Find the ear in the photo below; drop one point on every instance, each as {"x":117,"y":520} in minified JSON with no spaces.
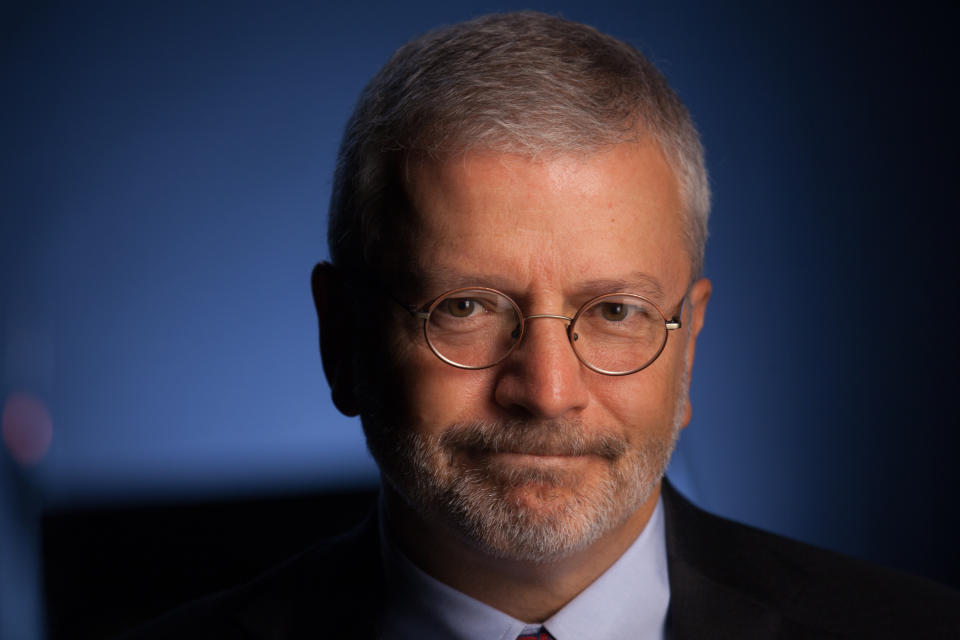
{"x":336,"y":337}
{"x":699,"y":296}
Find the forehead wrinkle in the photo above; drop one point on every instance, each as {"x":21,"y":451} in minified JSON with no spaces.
{"x":437,"y":279}
{"x":520,"y":278}
{"x":638,"y":282}
{"x":479,"y":223}
{"x":434,"y":280}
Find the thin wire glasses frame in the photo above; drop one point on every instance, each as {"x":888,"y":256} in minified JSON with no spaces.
{"x":426,"y":311}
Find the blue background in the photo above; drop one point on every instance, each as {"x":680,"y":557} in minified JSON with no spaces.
{"x":166,"y":169}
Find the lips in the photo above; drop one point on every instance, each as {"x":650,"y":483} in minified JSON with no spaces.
{"x":557,"y":439}
{"x":535,"y":453}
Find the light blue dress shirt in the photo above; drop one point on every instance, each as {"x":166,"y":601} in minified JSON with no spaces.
{"x":629,"y":600}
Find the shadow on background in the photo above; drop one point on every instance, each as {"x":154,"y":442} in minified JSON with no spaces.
{"x":138,"y":562}
{"x":166,"y":169}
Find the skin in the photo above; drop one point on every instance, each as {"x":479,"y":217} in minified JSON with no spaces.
{"x":551,"y":233}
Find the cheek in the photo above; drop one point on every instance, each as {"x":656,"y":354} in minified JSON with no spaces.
{"x":432,"y":395}
{"x":632,"y":404}
{"x":642,"y":403}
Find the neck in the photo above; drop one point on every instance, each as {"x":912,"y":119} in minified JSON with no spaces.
{"x":525,"y":590}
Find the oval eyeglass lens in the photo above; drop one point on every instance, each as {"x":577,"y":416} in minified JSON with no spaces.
{"x":619,"y":333}
{"x":473,"y":328}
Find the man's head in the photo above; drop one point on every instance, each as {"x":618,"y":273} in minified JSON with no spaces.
{"x":543,"y":160}
{"x":524,"y":83}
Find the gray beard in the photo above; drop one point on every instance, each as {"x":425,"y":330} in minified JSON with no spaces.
{"x":452,"y":478}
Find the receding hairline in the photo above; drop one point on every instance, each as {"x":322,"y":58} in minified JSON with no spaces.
{"x":577,"y":91}
{"x":402,"y":261}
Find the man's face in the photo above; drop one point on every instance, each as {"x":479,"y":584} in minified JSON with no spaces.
{"x":538,"y":456}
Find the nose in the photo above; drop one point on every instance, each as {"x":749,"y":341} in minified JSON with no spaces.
{"x":543,"y":378}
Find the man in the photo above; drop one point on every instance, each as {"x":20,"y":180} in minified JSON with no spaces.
{"x":517,"y":235}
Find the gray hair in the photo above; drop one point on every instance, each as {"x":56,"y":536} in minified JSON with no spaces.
{"x":523,"y":83}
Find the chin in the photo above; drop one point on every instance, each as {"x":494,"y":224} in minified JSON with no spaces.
{"x":538,"y":511}
{"x":540,"y":520}
{"x":532,"y":492}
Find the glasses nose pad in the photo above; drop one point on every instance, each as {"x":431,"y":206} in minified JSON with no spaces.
{"x":516,"y":332}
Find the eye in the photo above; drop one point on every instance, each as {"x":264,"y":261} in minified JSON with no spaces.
{"x":614,"y":311}
{"x":459,"y":307}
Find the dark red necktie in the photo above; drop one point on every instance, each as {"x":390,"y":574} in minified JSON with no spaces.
{"x":537,"y":635}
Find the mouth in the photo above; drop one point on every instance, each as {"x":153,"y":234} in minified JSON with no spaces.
{"x":538,"y":451}
{"x":546,"y":455}
{"x":515,"y":474}
{"x":529,"y":443}
{"x":542,"y":453}
{"x":530,"y":459}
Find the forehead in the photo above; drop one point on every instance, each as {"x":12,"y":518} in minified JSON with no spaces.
{"x":519,"y":222}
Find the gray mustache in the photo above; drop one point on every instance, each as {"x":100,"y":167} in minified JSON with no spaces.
{"x":554,"y":438}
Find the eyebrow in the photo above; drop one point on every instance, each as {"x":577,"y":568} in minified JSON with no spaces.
{"x":444,"y":278}
{"x":440,"y":279}
{"x":638,"y":282}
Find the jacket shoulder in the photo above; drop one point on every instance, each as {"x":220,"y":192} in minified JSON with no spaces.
{"x":334,"y":586}
{"x":806,"y":587}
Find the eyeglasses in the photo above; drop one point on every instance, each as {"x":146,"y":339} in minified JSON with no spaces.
{"x":615,"y":334}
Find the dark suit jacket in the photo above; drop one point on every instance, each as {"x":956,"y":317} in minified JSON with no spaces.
{"x":726,"y":581}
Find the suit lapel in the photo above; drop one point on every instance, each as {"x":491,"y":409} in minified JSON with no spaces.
{"x":332,"y":590}
{"x":703,"y":608}
{"x":710,"y":594}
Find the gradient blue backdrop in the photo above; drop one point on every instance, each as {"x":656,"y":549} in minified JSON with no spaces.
{"x":166,"y":169}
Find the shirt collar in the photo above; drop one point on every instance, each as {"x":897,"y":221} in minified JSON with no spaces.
{"x":629,"y":599}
